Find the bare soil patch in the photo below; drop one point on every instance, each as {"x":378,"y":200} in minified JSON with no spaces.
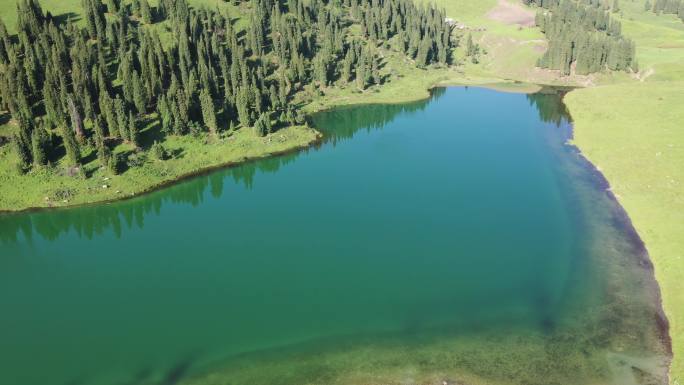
{"x":511,"y":14}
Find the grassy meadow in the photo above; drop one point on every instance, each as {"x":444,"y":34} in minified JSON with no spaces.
{"x":634,"y":132}
{"x":636,"y":140}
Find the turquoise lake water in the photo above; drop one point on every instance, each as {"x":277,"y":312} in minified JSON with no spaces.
{"x":453,"y":239}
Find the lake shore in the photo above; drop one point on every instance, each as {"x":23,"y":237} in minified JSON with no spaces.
{"x":39,"y":190}
{"x":635,"y":142}
{"x":45,"y":188}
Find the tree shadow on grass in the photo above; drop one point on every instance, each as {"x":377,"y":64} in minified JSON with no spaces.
{"x":89,"y":158}
{"x":151,"y":133}
{"x":4,"y":118}
{"x":62,"y":18}
{"x":178,"y":153}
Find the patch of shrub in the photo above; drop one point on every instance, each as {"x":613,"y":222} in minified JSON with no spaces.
{"x":137,"y":159}
{"x":62,"y":194}
{"x":158,"y":151}
{"x":116,"y":163}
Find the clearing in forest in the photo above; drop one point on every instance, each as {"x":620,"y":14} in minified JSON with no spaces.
{"x":510,"y":14}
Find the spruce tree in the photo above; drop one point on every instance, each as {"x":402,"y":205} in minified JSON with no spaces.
{"x":242,"y":104}
{"x":23,"y":152}
{"x":71,"y":146}
{"x":139,"y":94}
{"x":121,"y":118}
{"x":76,"y":120}
{"x":40,"y":144}
{"x":145,"y":12}
{"x":208,"y":111}
{"x":133,"y":130}
{"x":103,"y":152}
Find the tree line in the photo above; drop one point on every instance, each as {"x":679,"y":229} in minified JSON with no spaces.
{"x":68,"y":87}
{"x":583,"y":37}
{"x":672,"y":7}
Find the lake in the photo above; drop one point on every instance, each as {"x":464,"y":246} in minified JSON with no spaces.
{"x":457,"y":239}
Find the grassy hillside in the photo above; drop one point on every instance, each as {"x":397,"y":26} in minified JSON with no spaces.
{"x":633,"y":133}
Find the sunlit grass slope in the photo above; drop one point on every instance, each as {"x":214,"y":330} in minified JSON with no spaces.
{"x":634,"y":134}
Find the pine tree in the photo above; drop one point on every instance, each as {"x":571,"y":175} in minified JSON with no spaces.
{"x":108,"y":111}
{"x":242,"y":104}
{"x":71,"y":146}
{"x":133,"y":133}
{"x":145,"y":12}
{"x":103,"y":152}
{"x":470,"y":47}
{"x":208,"y":111}
{"x":23,"y":153}
{"x":40,"y":143}
{"x":165,"y":115}
{"x":139,"y":94}
{"x":423,"y":55}
{"x":121,"y":119}
{"x":76,"y":120}
{"x":262,"y":126}
{"x":361,"y":73}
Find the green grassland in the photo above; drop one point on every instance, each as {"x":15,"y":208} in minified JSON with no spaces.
{"x":636,"y":139}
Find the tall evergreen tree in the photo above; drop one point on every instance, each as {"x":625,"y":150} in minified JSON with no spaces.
{"x":40,"y":143}
{"x":71,"y":146}
{"x":208,"y":111}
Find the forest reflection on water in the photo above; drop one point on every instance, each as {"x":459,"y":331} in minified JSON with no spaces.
{"x":89,"y":221}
